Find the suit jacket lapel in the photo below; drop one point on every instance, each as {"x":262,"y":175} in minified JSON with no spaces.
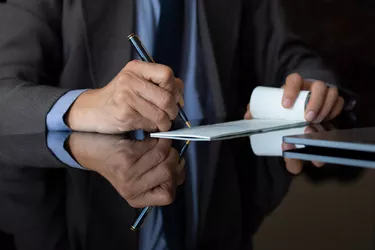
{"x":107,"y":25}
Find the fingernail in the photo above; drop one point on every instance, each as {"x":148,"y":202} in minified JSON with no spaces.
{"x":286,"y":146}
{"x":309,"y":130}
{"x":318,"y":120}
{"x":182,"y":102}
{"x":310,"y":116}
{"x":287,"y":103}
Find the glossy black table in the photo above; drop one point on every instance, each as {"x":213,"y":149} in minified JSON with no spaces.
{"x":231,"y":198}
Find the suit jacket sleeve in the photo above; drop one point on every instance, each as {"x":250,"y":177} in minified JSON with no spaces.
{"x":18,"y":151}
{"x":30,"y":63}
{"x":278,"y":52}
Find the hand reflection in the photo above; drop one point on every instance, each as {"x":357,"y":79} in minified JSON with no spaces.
{"x":145,"y":173}
{"x":294,"y":166}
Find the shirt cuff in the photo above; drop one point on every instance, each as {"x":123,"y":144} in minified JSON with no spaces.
{"x":55,"y":117}
{"x":55,"y":142}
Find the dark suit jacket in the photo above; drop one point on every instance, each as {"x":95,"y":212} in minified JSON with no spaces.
{"x":49,"y":47}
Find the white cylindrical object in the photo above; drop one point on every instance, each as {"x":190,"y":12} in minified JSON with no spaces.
{"x":265,"y":103}
{"x":270,"y":143}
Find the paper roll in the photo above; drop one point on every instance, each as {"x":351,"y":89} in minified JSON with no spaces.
{"x":270,"y":143}
{"x":265,"y":103}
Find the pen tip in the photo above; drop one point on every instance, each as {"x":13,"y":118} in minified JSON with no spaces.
{"x":188,"y":124}
{"x":133,"y":228}
{"x":131,"y":36}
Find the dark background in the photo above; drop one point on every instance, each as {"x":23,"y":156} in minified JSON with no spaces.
{"x":343,"y":33}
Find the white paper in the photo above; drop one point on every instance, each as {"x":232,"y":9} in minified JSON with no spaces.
{"x":267,"y":111}
{"x":265,"y":103}
{"x":220,"y":130}
{"x":270,"y":143}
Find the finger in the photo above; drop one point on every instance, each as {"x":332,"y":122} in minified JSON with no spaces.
{"x":292,"y":88}
{"x":336,"y":110}
{"x":153,"y":113}
{"x":159,"y":74}
{"x":157,"y":96}
{"x":309,"y":130}
{"x":144,"y":124}
{"x":137,"y":122}
{"x":319,"y":128}
{"x":181,"y":166}
{"x":293,"y":166}
{"x":318,"y":164}
{"x":181,"y":174}
{"x":150,"y":159}
{"x":180,"y":86}
{"x":247,"y":115}
{"x":159,"y":196}
{"x":318,"y":94}
{"x":163,"y":172}
{"x":139,"y":147}
{"x":329,"y":102}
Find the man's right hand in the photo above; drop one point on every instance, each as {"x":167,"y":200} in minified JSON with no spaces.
{"x":144,"y":173}
{"x":142,"y":96}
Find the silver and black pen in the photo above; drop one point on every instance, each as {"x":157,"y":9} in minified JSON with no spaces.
{"x":145,"y":56}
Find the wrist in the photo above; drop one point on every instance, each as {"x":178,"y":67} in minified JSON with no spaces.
{"x":75,"y":146}
{"x":81,"y":115}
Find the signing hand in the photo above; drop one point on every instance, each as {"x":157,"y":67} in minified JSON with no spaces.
{"x":142,"y":96}
{"x":145,"y":173}
{"x":325,"y":102}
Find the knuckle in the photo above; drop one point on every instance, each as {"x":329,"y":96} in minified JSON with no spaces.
{"x":164,"y":143}
{"x":121,"y":97}
{"x":127,"y":159}
{"x":168,"y":197}
{"x":159,"y":115}
{"x":124,"y":77}
{"x":134,"y":204}
{"x":125,"y":114}
{"x":167,"y":125}
{"x":132,"y":64}
{"x":167,"y":73}
{"x":293,"y":78}
{"x":161,"y":154}
{"x":174,"y":153}
{"x":167,"y":172}
{"x":167,"y":101}
{"x":334,"y":91}
{"x":125,"y":192}
{"x":319,"y":85}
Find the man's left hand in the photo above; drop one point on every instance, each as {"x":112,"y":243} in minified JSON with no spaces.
{"x":324,"y":104}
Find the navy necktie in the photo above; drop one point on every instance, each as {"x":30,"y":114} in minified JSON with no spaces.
{"x":168,"y":51}
{"x":168,"y":43}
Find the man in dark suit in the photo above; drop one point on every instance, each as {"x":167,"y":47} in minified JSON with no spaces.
{"x":62,"y":63}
